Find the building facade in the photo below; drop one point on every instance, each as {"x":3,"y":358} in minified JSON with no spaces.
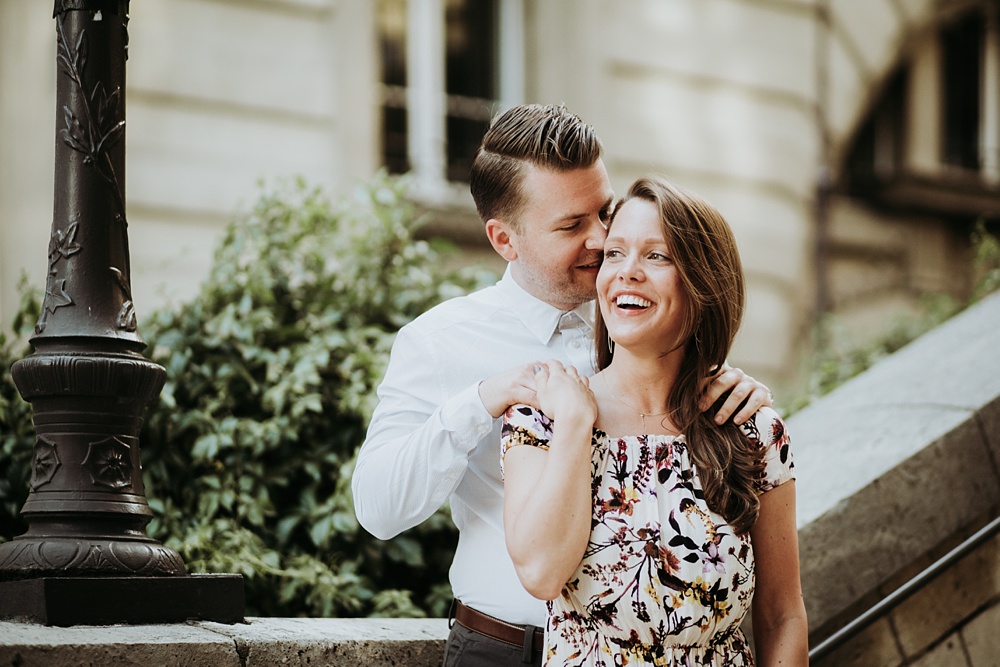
{"x":851,"y":144}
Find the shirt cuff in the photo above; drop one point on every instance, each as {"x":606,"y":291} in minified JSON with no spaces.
{"x":465,"y":413}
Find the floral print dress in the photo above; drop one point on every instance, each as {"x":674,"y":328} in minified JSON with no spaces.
{"x":664,"y":580}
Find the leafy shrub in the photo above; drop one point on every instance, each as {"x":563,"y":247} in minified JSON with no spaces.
{"x":17,"y":435}
{"x":271,"y":370}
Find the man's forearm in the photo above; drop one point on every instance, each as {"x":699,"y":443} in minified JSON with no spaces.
{"x":412,"y":461}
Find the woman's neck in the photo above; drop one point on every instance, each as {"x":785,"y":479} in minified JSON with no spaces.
{"x":643,"y":383}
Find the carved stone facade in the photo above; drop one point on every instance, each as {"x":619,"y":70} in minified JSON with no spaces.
{"x":759,"y":105}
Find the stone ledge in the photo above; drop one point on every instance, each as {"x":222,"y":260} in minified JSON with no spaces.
{"x":898,"y":461}
{"x":259,"y":642}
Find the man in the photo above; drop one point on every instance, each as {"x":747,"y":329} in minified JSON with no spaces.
{"x":543,"y":192}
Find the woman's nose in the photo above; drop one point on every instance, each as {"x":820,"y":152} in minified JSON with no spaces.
{"x":631,"y":269}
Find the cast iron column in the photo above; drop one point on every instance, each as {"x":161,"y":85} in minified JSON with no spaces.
{"x":86,"y":381}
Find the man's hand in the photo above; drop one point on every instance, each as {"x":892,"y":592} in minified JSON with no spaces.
{"x":513,"y":386}
{"x":744,"y":391}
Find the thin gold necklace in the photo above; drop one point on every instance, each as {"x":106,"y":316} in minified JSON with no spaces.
{"x":642,"y":415}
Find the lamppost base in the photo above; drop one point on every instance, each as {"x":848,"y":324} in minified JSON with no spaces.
{"x":65,"y":601}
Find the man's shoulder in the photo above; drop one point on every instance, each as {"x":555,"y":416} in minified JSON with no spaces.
{"x":471,"y":310}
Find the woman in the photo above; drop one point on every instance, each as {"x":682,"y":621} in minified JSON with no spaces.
{"x":648,"y":527}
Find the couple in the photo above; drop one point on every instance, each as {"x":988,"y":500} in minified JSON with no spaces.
{"x":644,"y":544}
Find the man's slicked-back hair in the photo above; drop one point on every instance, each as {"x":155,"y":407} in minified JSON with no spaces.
{"x":545,"y":136}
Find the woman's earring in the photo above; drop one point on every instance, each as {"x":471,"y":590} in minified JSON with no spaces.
{"x":611,"y":345}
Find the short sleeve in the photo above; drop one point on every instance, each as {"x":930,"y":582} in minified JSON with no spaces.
{"x":768,"y":430}
{"x":524,"y":425}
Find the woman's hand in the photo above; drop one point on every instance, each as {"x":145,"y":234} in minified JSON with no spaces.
{"x":563,"y":395}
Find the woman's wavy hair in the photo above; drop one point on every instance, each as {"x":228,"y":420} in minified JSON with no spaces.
{"x":708,"y":262}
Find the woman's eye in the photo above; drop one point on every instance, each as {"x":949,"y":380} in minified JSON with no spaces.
{"x":612,"y":253}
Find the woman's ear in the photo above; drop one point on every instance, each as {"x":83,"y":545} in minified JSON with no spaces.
{"x":502,"y":239}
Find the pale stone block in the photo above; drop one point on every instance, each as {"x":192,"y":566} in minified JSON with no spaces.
{"x":258,"y":55}
{"x":989,"y":421}
{"x":768,"y":48}
{"x":981,"y":637}
{"x":665,"y":124}
{"x":917,"y":12}
{"x":339,"y":641}
{"x":852,"y":279}
{"x":847,"y":89}
{"x":922,"y":147}
{"x":261,"y":641}
{"x":872,"y":647}
{"x":945,"y":602}
{"x":874,"y":33}
{"x":170,"y":645}
{"x":851,"y":223}
{"x":171,"y":257}
{"x":934,"y":270}
{"x":953,"y":474}
{"x":862,"y":322}
{"x":948,"y":653}
{"x":27,"y":146}
{"x":768,"y":336}
{"x":198,"y":160}
{"x":773,"y":233}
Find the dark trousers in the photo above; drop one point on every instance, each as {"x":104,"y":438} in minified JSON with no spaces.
{"x":467,"y":648}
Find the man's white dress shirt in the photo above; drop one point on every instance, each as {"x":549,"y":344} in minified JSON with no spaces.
{"x":431,"y":439}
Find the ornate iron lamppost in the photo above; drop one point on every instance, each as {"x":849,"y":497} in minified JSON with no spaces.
{"x":86,"y":557}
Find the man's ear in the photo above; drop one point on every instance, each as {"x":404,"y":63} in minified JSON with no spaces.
{"x":501,"y":238}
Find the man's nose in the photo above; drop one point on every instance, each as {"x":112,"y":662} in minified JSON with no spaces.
{"x":596,"y":235}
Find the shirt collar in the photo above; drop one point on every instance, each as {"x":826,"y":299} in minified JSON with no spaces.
{"x":540,"y":318}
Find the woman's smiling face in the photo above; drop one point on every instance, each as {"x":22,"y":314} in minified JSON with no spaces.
{"x":639,"y":287}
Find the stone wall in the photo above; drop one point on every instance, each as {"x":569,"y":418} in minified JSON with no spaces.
{"x":895,"y":468}
{"x":260,"y":642}
{"x":749,"y":102}
{"x":951,"y":622}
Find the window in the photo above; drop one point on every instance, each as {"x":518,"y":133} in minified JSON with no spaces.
{"x":447,"y":67}
{"x":961,"y":57}
{"x":878,"y":146}
{"x":931,"y":142}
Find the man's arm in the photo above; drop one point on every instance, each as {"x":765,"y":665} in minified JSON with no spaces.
{"x":420,"y":439}
{"x":743,"y":396}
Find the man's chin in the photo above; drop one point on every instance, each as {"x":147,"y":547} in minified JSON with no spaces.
{"x":583,"y":295}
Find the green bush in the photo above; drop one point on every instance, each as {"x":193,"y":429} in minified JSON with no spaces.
{"x":17,"y":435}
{"x":271,"y":372}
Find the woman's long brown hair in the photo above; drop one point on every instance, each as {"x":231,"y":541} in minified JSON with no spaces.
{"x":708,"y":261}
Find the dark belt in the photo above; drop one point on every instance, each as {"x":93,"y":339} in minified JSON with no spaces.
{"x":527,"y":637}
